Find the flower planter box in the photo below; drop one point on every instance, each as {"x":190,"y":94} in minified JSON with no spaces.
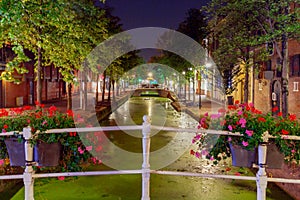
{"x":275,"y":159}
{"x":48,"y":154}
{"x":15,"y":151}
{"x":43,"y":153}
{"x":242,"y":157}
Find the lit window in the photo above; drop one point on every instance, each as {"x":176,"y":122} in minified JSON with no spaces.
{"x":296,"y":84}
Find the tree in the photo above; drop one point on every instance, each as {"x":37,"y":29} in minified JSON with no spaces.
{"x":194,"y":25}
{"x":54,"y":31}
{"x":272,"y":19}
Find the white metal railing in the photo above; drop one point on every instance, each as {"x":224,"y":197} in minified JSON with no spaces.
{"x":29,"y":175}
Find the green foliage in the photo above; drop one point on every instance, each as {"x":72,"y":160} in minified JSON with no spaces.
{"x":239,"y":24}
{"x":74,"y":152}
{"x":252,"y":124}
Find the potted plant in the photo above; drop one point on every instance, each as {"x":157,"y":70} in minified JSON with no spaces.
{"x":70,"y":151}
{"x":251,"y":124}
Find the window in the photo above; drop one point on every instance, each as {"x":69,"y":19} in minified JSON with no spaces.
{"x":269,"y":65}
{"x":294,"y":65}
{"x":296,"y":88}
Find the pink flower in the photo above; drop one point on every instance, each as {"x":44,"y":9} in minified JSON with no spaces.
{"x":251,"y":104}
{"x":204,"y":152}
{"x":89,"y":148}
{"x":237,"y":173}
{"x":211,"y":158}
{"x":61,"y":178}
{"x":202,"y":120}
{"x":245,"y":143}
{"x":293,"y":151}
{"x":80,"y":150}
{"x":197,"y":137}
{"x":229,"y":139}
{"x":197,"y":154}
{"x":44,"y":122}
{"x":2,"y":162}
{"x":206,"y":114}
{"x":242,"y":121}
{"x":215,"y":116}
{"x":249,"y":133}
{"x":240,"y":112}
{"x":230,"y":127}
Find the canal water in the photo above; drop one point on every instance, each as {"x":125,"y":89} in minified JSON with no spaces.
{"x":169,"y":151}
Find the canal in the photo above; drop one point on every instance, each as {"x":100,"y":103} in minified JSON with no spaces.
{"x":169,"y":151}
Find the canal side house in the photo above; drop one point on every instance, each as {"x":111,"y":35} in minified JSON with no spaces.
{"x":24,"y":93}
{"x":264,"y":86}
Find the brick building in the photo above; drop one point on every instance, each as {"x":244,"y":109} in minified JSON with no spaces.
{"x":265,"y":88}
{"x":24,"y":93}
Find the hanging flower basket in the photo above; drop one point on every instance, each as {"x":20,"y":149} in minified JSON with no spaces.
{"x":242,"y":157}
{"x":48,"y":154}
{"x":275,"y":159}
{"x":44,"y":154}
{"x":16,"y":151}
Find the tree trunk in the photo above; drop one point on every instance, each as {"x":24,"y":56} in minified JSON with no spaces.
{"x":103,"y":86}
{"x":39,"y":76}
{"x":97,"y":90}
{"x":84,"y":91}
{"x":193,"y":91}
{"x":109,"y":89}
{"x":113,"y":89}
{"x":69,"y":96}
{"x":284,"y":76}
{"x":246,"y":83}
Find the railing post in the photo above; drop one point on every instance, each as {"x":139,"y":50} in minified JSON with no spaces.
{"x":146,"y":153}
{"x":261,"y":175}
{"x":27,"y":175}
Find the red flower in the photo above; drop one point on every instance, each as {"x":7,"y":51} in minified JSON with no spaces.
{"x":192,"y":152}
{"x":279,"y":114}
{"x":292,"y":117}
{"x":261,"y":119}
{"x":232,"y":107}
{"x":27,"y":108}
{"x":52,"y":109}
{"x":236,"y":102}
{"x":275,"y":109}
{"x":70,"y":113}
{"x":5,"y":126}
{"x":72,"y":134}
{"x":61,"y":178}
{"x":284,"y":132}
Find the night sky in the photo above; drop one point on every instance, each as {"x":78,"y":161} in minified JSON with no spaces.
{"x":154,"y":13}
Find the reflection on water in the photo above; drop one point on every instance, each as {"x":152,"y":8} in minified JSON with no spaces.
{"x":166,"y":147}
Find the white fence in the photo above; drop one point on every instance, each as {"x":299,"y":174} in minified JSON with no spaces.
{"x":29,"y":175}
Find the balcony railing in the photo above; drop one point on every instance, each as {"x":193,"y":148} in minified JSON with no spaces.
{"x":28,"y":175}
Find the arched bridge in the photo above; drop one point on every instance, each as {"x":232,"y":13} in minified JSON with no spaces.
{"x":154,"y":92}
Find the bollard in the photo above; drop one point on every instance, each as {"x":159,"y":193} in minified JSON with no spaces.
{"x":261,"y":175}
{"x":27,"y":175}
{"x":146,"y":164}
